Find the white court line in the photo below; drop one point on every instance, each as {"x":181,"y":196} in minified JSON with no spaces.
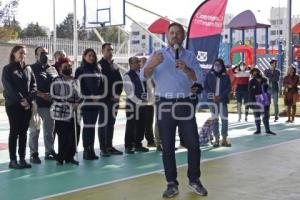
{"x":159,"y":171}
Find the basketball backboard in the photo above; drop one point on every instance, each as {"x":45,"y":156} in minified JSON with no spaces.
{"x":100,"y":13}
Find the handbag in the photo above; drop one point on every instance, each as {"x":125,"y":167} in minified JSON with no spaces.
{"x":263,"y":99}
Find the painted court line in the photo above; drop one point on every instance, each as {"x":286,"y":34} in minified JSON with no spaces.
{"x":160,"y":171}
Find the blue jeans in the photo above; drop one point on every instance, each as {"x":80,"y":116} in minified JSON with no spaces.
{"x":220,"y":110}
{"x":167,"y":124}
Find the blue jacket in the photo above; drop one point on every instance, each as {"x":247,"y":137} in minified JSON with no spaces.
{"x":210,"y":86}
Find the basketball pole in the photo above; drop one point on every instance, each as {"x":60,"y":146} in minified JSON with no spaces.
{"x":54,"y":29}
{"x":75,"y":36}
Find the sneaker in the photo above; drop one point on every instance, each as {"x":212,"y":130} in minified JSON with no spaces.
{"x":34,"y":158}
{"x":276,"y":119}
{"x":13,"y":164}
{"x":51,"y":156}
{"x":270,"y":133}
{"x":129,"y":150}
{"x":141,"y":149}
{"x":23,"y":164}
{"x":198,"y":188}
{"x":171,"y":191}
{"x":114,"y":151}
{"x":104,"y":153}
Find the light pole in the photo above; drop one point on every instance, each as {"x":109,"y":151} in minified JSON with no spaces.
{"x":289,"y":33}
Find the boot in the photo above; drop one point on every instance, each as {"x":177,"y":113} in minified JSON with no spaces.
{"x":93,"y":154}
{"x":87,"y":154}
{"x":23,"y":164}
{"x":225,"y":142}
{"x":13,"y":164}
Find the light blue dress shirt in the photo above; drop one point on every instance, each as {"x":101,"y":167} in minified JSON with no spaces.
{"x":171,"y":82}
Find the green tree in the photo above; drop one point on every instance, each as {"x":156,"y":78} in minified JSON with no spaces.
{"x":109,"y":34}
{"x":7,"y":34}
{"x":7,"y":11}
{"x":33,"y":30}
{"x":65,"y":29}
{"x":10,"y":31}
{"x":10,"y":28}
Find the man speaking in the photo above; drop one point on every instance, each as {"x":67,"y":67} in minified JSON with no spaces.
{"x":174,"y":71}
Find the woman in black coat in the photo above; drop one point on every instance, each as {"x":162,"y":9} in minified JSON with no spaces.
{"x":257,"y":86}
{"x":90,"y":80}
{"x":19,"y":91}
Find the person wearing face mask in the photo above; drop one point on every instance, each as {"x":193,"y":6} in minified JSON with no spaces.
{"x":44,"y":74}
{"x":257,"y":86}
{"x":218,"y":87}
{"x":242,"y":74}
{"x":273,"y":76}
{"x":91,"y":84}
{"x":63,"y":111}
{"x":19,"y":91}
{"x":174,"y":77}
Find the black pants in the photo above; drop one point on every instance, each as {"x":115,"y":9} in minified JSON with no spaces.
{"x":265,"y":111}
{"x":135,"y":125}
{"x":149,"y":115}
{"x":107,"y":120}
{"x":18,"y":119}
{"x":89,"y":117}
{"x":66,"y":139}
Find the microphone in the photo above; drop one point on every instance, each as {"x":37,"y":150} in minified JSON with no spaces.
{"x":176,"y":47}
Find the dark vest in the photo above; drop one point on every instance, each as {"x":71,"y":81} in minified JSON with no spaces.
{"x":138,"y":88}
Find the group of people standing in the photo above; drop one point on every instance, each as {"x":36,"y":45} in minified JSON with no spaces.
{"x":49,"y":95}
{"x":247,"y":88}
{"x":169,"y":81}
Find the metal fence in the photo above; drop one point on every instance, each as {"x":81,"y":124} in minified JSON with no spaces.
{"x":67,"y":45}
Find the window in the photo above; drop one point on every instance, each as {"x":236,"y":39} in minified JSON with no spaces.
{"x":273,"y":42}
{"x":135,"y":33}
{"x":135,"y":42}
{"x":273,"y":22}
{"x":273,"y":32}
{"x":226,"y":36}
{"x":280,"y":32}
{"x":143,"y":37}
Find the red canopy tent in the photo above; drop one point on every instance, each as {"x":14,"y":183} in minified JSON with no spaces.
{"x":160,"y":26}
